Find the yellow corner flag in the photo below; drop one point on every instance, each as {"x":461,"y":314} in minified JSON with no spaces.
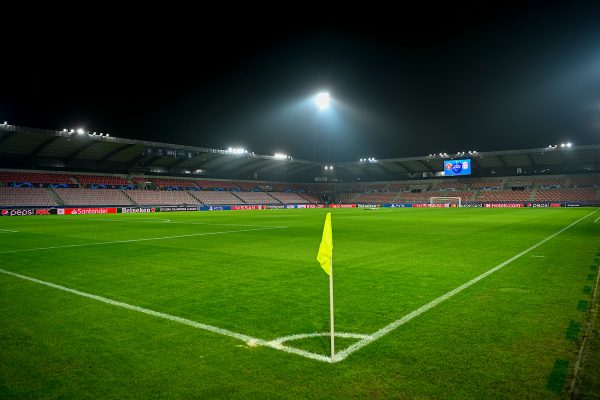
{"x":326,"y":248}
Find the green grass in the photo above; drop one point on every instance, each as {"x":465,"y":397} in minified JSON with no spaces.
{"x":500,"y":338}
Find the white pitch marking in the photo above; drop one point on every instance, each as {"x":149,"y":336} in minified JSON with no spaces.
{"x":239,"y":336}
{"x":7,"y":231}
{"x":134,"y":240}
{"x":596,"y":220}
{"x":538,"y":256}
{"x":390,"y":327}
{"x":283,"y":339}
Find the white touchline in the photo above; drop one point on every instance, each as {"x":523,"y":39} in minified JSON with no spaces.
{"x":240,"y":336}
{"x":390,"y":327}
{"x":7,"y":231}
{"x":134,"y":240}
{"x":596,"y":221}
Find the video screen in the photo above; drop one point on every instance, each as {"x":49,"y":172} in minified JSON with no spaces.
{"x":457,"y":167}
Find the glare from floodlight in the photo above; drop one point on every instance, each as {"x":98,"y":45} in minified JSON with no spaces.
{"x":236,"y":150}
{"x":64,"y":130}
{"x":107,"y":135}
{"x":322,"y":100}
{"x":562,"y":145}
{"x":569,"y":144}
{"x":80,"y":131}
{"x":280,"y":156}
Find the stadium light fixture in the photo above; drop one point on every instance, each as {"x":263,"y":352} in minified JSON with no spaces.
{"x":107,"y":135}
{"x":80,"y":131}
{"x":569,"y":144}
{"x":322,"y":100}
{"x":280,"y":156}
{"x":5,"y":123}
{"x":237,"y":150}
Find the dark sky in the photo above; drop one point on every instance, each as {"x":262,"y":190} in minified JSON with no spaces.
{"x":406,"y":82}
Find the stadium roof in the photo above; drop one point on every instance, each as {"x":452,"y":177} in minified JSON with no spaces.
{"x":22,"y":147}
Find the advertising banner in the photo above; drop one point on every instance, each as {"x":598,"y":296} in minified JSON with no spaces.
{"x":397,"y":205}
{"x":342,"y":206}
{"x":504,"y":205}
{"x":20,"y":212}
{"x":136,"y":210}
{"x":248,"y":207}
{"x":213,"y":208}
{"x":171,"y":209}
{"x":80,"y":211}
{"x":542,"y":205}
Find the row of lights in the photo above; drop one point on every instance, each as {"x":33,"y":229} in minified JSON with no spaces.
{"x":370,"y":159}
{"x":329,"y":168}
{"x":459,"y":153}
{"x":237,"y":150}
{"x":81,"y":131}
{"x":563,"y":145}
{"x":281,"y":156}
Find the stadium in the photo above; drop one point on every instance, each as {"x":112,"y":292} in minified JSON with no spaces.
{"x":139,"y":268}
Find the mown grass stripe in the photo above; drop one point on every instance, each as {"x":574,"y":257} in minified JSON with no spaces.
{"x":573,"y":330}
{"x":582,"y":305}
{"x":558,"y":376}
{"x":587,"y":290}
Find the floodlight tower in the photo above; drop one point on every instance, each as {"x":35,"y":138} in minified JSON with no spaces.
{"x":322,"y":102}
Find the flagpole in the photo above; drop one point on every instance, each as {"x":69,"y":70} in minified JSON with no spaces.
{"x":331,"y":310}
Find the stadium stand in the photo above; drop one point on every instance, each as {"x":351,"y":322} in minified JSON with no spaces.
{"x":101,"y":180}
{"x":585,"y":181}
{"x":257,"y":198}
{"x":93,"y":197}
{"x":24,"y":197}
{"x":212,"y":185}
{"x":289,"y":198}
{"x":161,"y":198}
{"x":33,"y":177}
{"x":216,"y":197}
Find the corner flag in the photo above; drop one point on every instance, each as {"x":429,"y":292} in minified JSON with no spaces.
{"x":326,"y":248}
{"x":325,"y":258}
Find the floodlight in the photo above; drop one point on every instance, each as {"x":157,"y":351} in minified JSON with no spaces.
{"x":569,"y":144}
{"x":80,"y":131}
{"x":280,"y":156}
{"x":107,"y":135}
{"x":64,"y":130}
{"x":5,"y":123}
{"x":562,"y":145}
{"x":322,"y":100}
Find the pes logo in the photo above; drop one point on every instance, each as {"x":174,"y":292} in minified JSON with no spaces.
{"x":4,"y":212}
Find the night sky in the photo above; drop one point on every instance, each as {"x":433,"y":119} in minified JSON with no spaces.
{"x":405,"y":83}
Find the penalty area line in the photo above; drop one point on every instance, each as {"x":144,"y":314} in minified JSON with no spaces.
{"x":249,"y":340}
{"x":390,"y":327}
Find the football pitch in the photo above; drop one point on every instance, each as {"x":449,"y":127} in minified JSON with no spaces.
{"x":429,"y":303}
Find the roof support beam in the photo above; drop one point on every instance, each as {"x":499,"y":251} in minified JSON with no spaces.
{"x":74,"y":154}
{"x":114,"y":152}
{"x":43,"y":145}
